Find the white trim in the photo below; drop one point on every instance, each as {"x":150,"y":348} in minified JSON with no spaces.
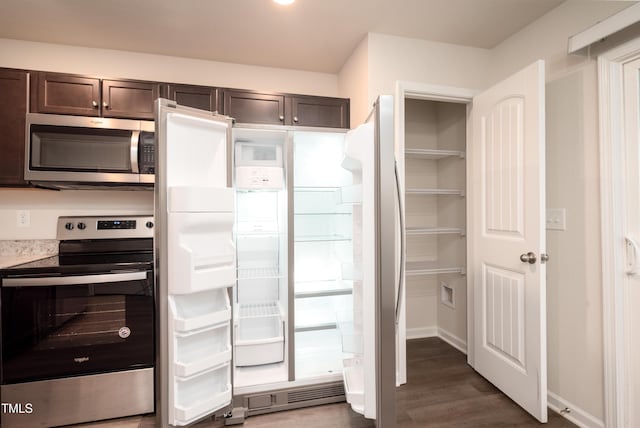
{"x":575,"y":414}
{"x":613,"y":212}
{"x":421,"y":332}
{"x":605,"y":28}
{"x":453,"y":340}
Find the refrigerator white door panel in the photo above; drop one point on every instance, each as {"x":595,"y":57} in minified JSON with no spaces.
{"x":201,"y":252}
{"x":196,"y":151}
{"x":360,"y":372}
{"x":195,"y":212}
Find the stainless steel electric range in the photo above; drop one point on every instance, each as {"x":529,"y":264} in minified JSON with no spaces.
{"x":78,"y":328}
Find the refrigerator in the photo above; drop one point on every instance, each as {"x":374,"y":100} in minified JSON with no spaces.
{"x":277,"y":268}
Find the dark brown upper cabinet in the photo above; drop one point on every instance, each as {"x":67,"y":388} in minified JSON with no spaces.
{"x":86,"y":96}
{"x":284,"y":109}
{"x":200,"y":97}
{"x":65,"y":94}
{"x":319,"y":111}
{"x":129,"y":99}
{"x":13,"y":109}
{"x":254,"y":107}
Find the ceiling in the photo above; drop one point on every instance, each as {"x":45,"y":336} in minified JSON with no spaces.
{"x":314,"y":35}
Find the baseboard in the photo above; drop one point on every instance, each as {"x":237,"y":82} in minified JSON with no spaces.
{"x":453,"y":340}
{"x":572,"y":412}
{"x":421,"y":332}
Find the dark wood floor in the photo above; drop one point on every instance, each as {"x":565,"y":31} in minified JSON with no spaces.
{"x":442,"y":391}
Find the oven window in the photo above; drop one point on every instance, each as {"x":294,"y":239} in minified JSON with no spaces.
{"x":80,"y":149}
{"x":58,"y":331}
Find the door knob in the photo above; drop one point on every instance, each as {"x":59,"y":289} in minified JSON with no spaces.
{"x":528,"y":258}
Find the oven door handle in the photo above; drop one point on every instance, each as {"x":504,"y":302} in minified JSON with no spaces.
{"x":73,"y":280}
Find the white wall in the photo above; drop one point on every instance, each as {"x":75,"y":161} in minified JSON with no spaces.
{"x":574,"y":288}
{"x":394,"y":58}
{"x":112,"y":63}
{"x":353,"y":82}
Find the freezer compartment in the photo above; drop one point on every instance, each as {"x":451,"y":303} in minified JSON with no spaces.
{"x":259,"y":335}
{"x":202,"y":252}
{"x":198,"y":395}
{"x":198,"y":310}
{"x":202,"y":349}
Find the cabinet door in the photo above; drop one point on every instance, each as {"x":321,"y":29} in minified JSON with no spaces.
{"x":319,"y":111}
{"x":65,"y":94}
{"x":254,"y":107}
{"x":13,"y":87}
{"x":200,"y":97}
{"x":129,"y":99}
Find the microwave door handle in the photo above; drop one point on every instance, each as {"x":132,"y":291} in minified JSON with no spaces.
{"x":74,"y":280}
{"x":135,"y":139}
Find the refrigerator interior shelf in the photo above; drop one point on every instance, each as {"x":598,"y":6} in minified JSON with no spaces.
{"x":321,"y":214}
{"x":315,"y":327}
{"x":259,"y":310}
{"x":433,"y":154}
{"x":431,"y":268}
{"x":322,"y":238}
{"x":323,"y":293}
{"x":435,"y":231}
{"x":259,"y":273}
{"x":258,"y":233}
{"x":455,"y":192}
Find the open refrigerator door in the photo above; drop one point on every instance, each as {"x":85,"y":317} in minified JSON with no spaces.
{"x":195,"y":263}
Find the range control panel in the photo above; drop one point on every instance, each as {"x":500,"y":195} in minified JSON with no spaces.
{"x":102,"y":227}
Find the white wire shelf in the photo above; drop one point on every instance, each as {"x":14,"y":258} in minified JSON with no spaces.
{"x":259,"y":273}
{"x":435,"y":231}
{"x":258,"y":310}
{"x":433,"y":154}
{"x":432,"y":268}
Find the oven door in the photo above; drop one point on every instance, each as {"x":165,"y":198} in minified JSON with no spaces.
{"x":64,"y":326}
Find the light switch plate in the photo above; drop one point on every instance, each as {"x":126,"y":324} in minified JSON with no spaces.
{"x":556,"y":219}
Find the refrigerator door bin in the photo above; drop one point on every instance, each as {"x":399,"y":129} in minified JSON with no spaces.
{"x":199,"y":395}
{"x":202,"y":349}
{"x":353,"y":375}
{"x":202,"y":252}
{"x":198,"y":310}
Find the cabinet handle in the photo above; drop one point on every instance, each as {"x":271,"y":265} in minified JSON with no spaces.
{"x":94,"y":103}
{"x":295,"y":119}
{"x":105,"y":104}
{"x":281,"y":118}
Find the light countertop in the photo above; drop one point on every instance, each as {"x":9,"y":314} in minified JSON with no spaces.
{"x":14,"y":260}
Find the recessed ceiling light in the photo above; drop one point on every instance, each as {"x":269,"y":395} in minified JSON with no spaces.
{"x":284,"y":2}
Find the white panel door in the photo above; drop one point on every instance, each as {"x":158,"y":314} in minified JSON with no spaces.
{"x":506,"y":212}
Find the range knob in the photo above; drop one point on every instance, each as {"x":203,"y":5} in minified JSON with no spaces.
{"x":68,"y":226}
{"x":82,"y":226}
{"x":149,"y":224}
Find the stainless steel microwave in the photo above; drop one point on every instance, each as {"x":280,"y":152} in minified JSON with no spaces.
{"x":75,"y":151}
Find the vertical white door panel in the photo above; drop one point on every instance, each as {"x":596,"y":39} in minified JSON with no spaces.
{"x":506,"y":216}
{"x":195,"y":210}
{"x":631,"y":284}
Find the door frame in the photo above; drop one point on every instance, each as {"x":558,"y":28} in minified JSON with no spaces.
{"x":611,"y":119}
{"x":450,"y":94}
